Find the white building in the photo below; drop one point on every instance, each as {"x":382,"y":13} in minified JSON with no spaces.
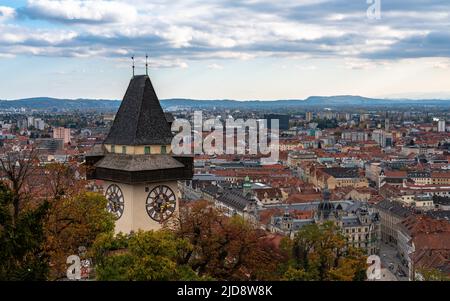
{"x":383,"y":138}
{"x":355,"y":136}
{"x":39,"y":124}
{"x":30,"y":121}
{"x":441,"y":126}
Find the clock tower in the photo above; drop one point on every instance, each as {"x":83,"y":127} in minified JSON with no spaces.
{"x":139,"y":173}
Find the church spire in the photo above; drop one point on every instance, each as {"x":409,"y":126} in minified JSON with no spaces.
{"x":325,"y":207}
{"x":140,"y":119}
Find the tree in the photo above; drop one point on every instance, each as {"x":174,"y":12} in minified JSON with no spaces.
{"x":72,"y":222}
{"x":21,"y":221}
{"x":62,"y":180}
{"x":17,"y":166}
{"x":224,"y":248}
{"x":46,"y":216}
{"x":22,"y":255}
{"x":430,"y":274}
{"x":141,"y":256}
{"x":319,"y":252}
{"x":326,"y":123}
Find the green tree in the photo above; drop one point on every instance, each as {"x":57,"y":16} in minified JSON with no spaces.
{"x":429,"y":274}
{"x":319,"y":252}
{"x":22,"y":255}
{"x":326,"y":123}
{"x":141,"y":256}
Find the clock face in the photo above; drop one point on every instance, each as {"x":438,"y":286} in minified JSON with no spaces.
{"x":161,"y":203}
{"x":115,"y":200}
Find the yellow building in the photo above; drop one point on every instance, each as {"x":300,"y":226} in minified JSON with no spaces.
{"x":336,"y":177}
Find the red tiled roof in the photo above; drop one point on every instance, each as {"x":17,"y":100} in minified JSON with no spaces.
{"x":304,"y":197}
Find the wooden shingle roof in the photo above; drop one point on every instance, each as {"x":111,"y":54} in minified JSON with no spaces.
{"x":140,"y":119}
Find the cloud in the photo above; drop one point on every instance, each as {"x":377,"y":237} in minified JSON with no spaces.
{"x":6,"y":13}
{"x":167,"y":63}
{"x":433,"y":44}
{"x":307,"y":68}
{"x":442,"y":65}
{"x":80,"y":11}
{"x":357,"y":64}
{"x":11,"y":35}
{"x":183,"y":30}
{"x":215,"y":66}
{"x":6,"y":55}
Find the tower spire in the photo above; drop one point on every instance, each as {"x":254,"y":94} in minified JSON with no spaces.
{"x":132,"y":58}
{"x":146,"y":64}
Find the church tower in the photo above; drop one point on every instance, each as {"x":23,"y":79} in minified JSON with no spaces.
{"x":325,"y":209}
{"x":246,"y":186}
{"x":139,"y":173}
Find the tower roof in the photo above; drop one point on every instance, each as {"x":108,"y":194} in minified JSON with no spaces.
{"x":140,"y":119}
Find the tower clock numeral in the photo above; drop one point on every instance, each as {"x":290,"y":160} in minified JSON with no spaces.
{"x":161,"y":203}
{"x":115,"y":199}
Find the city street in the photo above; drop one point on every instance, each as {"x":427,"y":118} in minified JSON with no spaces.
{"x":387,"y":275}
{"x":390,"y":263}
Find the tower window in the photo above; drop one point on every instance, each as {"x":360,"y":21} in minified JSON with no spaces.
{"x":113,"y":148}
{"x":147,"y":150}
{"x":163,"y":149}
{"x":124,"y":149}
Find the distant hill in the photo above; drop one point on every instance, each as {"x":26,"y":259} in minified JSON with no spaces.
{"x":312,"y":101}
{"x":47,"y":103}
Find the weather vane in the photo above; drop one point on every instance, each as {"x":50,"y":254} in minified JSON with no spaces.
{"x":146,"y":64}
{"x":132,"y":58}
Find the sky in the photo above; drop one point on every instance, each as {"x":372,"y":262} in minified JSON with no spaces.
{"x":226,"y":49}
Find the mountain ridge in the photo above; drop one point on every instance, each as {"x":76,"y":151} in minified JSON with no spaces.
{"x":316,"y":101}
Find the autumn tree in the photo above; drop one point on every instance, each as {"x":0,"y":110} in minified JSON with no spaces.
{"x":74,"y":217}
{"x":224,"y":248}
{"x":141,"y":256}
{"x":63,"y":179}
{"x":319,"y":252}
{"x":46,"y":215}
{"x":73,"y":222}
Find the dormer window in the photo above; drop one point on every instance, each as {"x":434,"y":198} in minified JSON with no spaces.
{"x":113,"y":148}
{"x":147,"y":150}
{"x":124,"y":149}
{"x":163,"y":149}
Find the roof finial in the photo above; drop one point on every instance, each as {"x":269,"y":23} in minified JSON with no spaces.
{"x":146,"y":64}
{"x":132,"y":58}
